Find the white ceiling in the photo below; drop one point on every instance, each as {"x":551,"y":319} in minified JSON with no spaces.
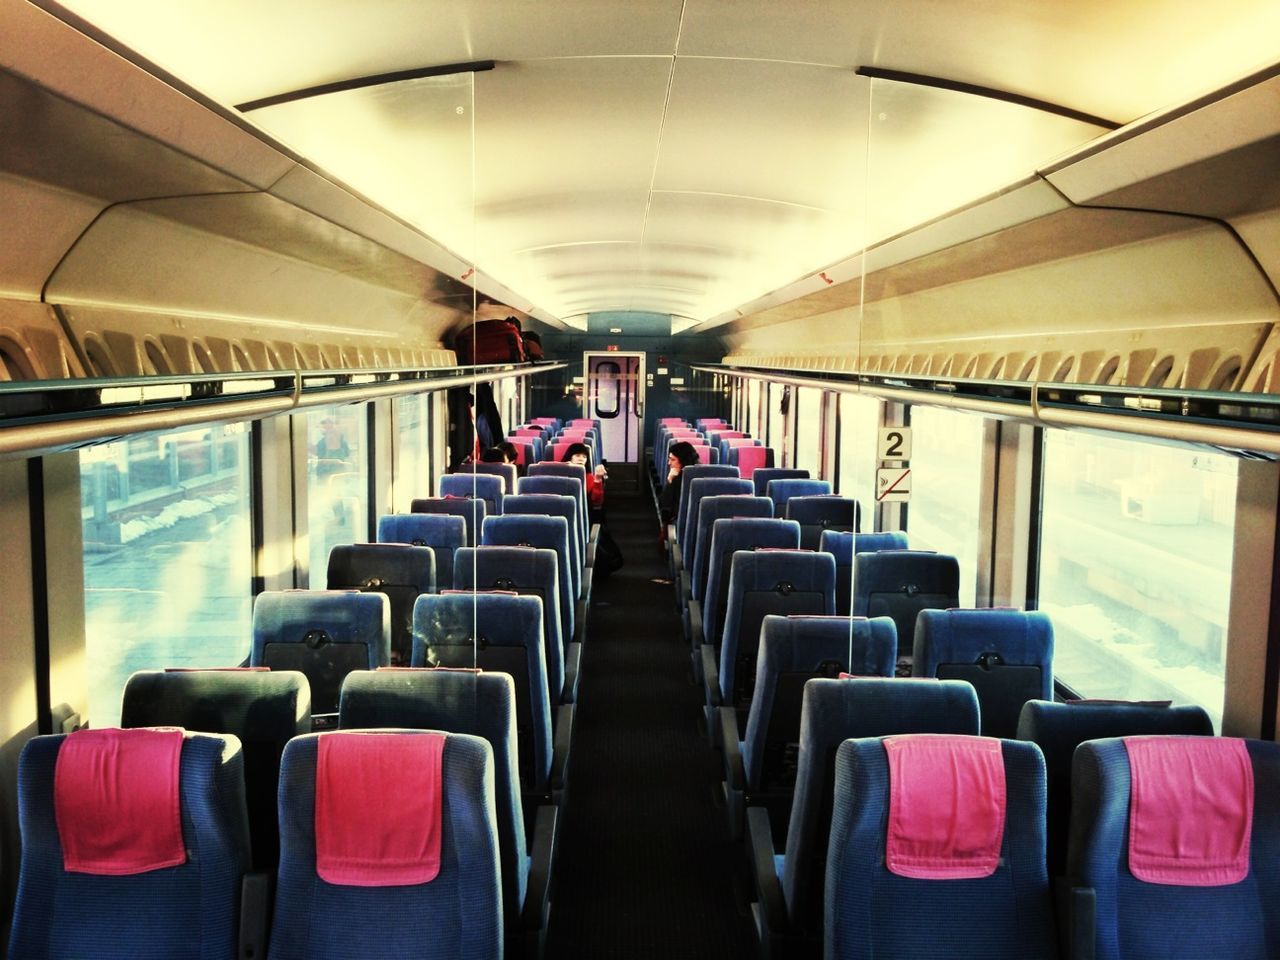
{"x":686,"y":157}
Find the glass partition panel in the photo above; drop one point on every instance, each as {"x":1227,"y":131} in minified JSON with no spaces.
{"x":856,"y":467}
{"x":946,"y":477}
{"x":779,"y":399}
{"x":1135,"y":567}
{"x":808,"y":402}
{"x":337,"y":483}
{"x":168,"y":557}
{"x":413,"y":439}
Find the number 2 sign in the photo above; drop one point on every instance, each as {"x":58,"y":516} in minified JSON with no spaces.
{"x":895,"y":443}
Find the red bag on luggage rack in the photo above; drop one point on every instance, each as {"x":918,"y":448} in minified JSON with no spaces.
{"x":532,"y":345}
{"x":490,"y":341}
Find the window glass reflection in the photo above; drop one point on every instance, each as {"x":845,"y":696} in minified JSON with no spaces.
{"x":859,"y":426}
{"x":809,"y":430}
{"x":337,"y":483}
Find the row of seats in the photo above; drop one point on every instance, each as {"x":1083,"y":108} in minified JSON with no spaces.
{"x":548,"y":438}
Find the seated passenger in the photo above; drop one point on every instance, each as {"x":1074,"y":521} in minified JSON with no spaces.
{"x":608,"y":555}
{"x":682,"y":455}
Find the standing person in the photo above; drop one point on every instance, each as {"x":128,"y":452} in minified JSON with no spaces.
{"x":333,"y":453}
{"x":682,"y":455}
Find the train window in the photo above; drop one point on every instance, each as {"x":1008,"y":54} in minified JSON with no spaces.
{"x":337,"y":482}
{"x":752,"y":427}
{"x":413,"y":435}
{"x":808,"y":402}
{"x":946,"y":477}
{"x":859,"y":421}
{"x":779,"y":438}
{"x":1135,"y":567}
{"x":167,"y":557}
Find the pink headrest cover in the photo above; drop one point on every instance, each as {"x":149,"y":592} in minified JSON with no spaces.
{"x":379,"y":805}
{"x":1190,"y":810}
{"x":946,"y":806}
{"x":115,"y":800}
{"x":751,"y":459}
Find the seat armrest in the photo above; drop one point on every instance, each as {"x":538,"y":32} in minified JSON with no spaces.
{"x":735,"y":776}
{"x":579,"y":622}
{"x":591,"y":555}
{"x":686,"y":587}
{"x":710,"y":675}
{"x":1082,"y":924}
{"x":773,"y":907}
{"x":671,"y":535}
{"x":593,"y":533}
{"x":695,"y":624}
{"x":255,"y":902}
{"x":588,"y":581}
{"x":560,"y":744}
{"x":542,"y":850}
{"x":572,"y":664}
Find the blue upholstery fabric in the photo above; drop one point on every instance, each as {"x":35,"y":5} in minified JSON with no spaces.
{"x":794,"y":650}
{"x":840,"y":544}
{"x":546,"y":533}
{"x":766,"y":475}
{"x":396,"y":570}
{"x":480,"y":704}
{"x":1058,"y":728}
{"x":698,"y":471}
{"x":185,"y":912}
{"x":950,"y":643}
{"x":727,"y":538}
{"x":818,"y":514}
{"x":1006,"y":916}
{"x":507,"y":472}
{"x":264,"y":710}
{"x":527,"y":571}
{"x":1137,"y":920}
{"x":561,"y":487}
{"x":763,"y":582}
{"x":834,"y":711}
{"x":901,"y":583}
{"x":447,"y":632}
{"x":458,"y":915}
{"x":474,"y":486}
{"x":711,"y":509}
{"x":472,"y":512}
{"x":323,"y":633}
{"x":698,"y":488}
{"x":782,"y":490}
{"x":443,"y":534}
{"x":553,"y":505}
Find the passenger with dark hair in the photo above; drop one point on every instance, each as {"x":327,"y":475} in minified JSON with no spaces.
{"x":509,"y":451}
{"x":494,"y":455}
{"x":682,"y":455}
{"x":579,"y":453}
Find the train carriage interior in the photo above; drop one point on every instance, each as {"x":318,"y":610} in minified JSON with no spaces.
{"x":640,"y":478}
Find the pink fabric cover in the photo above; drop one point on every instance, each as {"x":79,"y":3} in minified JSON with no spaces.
{"x":946,"y":806}
{"x":673,"y":422}
{"x":1190,"y":810}
{"x":525,"y":432}
{"x":115,"y":800}
{"x":379,"y":806}
{"x":544,"y":420}
{"x":581,"y":422}
{"x":751,"y":459}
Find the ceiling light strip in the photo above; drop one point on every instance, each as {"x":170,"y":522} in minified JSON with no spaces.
{"x":375,"y":80}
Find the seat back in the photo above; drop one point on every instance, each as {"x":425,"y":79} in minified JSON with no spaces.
{"x":544,"y":485}
{"x":842,"y":544}
{"x":443,"y":533}
{"x":729,"y":537}
{"x":818,"y":514}
{"x":388,"y":783}
{"x":527,"y":571}
{"x":455,"y":701}
{"x":1204,"y":880}
{"x":1058,"y":728}
{"x":833,"y":711}
{"x":553,"y":505}
{"x":1006,"y":654}
{"x":397,"y":571}
{"x":474,"y":486}
{"x":471,"y":510}
{"x":711,"y":509}
{"x":793,"y":651}
{"x":782,"y":490}
{"x":965,"y":847}
{"x":324,"y":634}
{"x":186,"y":909}
{"x":711,"y":423}
{"x":506,"y":472}
{"x":763,"y":582}
{"x":763,"y":476}
{"x":556,"y":450}
{"x":698,"y":488}
{"x":544,"y":533}
{"x":698,"y":471}
{"x":901,"y":583}
{"x":725,"y":442}
{"x":750,"y":459}
{"x":497,"y":633}
{"x":262,"y":709}
{"x":528,"y":449}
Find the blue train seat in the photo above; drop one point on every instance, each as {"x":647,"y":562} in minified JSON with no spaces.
{"x":842,"y":544}
{"x":750,"y":459}
{"x":710,"y":510}
{"x":760,"y":767}
{"x":543,"y":484}
{"x":782,"y":490}
{"x":471,"y":510}
{"x":901,"y":583}
{"x":507,"y":472}
{"x":1006,"y":654}
{"x":1203,"y":880}
{"x":960,"y":821}
{"x":474,"y":486}
{"x":698,"y":488}
{"x":398,"y":571}
{"x":553,"y":505}
{"x":442,"y":533}
{"x":528,"y":571}
{"x":697,"y":471}
{"x":263,"y":709}
{"x":545,"y":533}
{"x":482,"y":705}
{"x":818,"y":514}
{"x":726,"y":445}
{"x":789,"y":888}
{"x":347,"y":800}
{"x":763,"y":476}
{"x":1058,"y":728}
{"x":324,"y":634}
{"x":103,"y":873}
